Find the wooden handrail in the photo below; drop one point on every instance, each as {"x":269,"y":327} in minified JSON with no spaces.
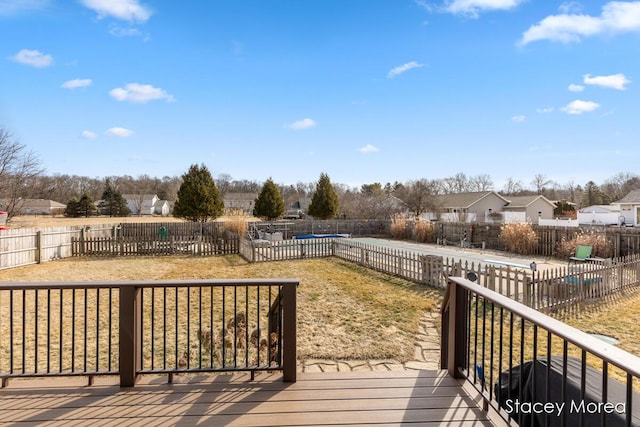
{"x":614,"y":355}
{"x":130,"y":316}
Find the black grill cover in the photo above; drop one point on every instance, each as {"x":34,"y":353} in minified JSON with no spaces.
{"x":534,"y":390}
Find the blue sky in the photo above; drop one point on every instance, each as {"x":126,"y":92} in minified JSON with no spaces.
{"x":364,"y":90}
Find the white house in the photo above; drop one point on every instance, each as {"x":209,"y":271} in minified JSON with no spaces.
{"x":528,"y":209}
{"x":468,"y":207}
{"x":630,"y":208}
{"x":147,"y":204}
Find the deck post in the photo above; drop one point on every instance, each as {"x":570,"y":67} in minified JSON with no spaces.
{"x":456,"y":342}
{"x":289,"y":356}
{"x":130,"y":334}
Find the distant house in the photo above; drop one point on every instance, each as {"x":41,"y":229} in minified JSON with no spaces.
{"x":35,"y":207}
{"x":147,"y":204}
{"x":301,"y":204}
{"x":630,"y":208}
{"x":467,"y":207}
{"x":244,"y":202}
{"x":528,"y":209}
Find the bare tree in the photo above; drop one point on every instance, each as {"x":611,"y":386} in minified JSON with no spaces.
{"x":481,"y":182}
{"x":512,"y":187}
{"x":540,"y":182}
{"x":418,"y":195}
{"x":19,"y":169}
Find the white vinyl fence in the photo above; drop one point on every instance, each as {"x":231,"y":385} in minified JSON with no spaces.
{"x":24,"y":246}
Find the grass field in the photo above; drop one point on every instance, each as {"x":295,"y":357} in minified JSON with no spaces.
{"x":344,"y":311}
{"x":28,"y":221}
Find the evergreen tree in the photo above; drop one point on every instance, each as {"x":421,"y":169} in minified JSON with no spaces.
{"x":83,"y":207}
{"x":86,"y":206}
{"x":113,"y":204}
{"x":72,"y":209}
{"x":198,"y":196}
{"x":592,"y":195}
{"x":269,"y":204}
{"x":324,"y":203}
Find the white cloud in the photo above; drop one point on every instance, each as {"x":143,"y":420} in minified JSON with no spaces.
{"x":403,"y":69}
{"x":518,"y":119}
{"x":76,"y":83}
{"x":473,"y":8}
{"x":33,"y":58}
{"x":545,"y":110}
{"x":570,"y":7}
{"x":575,"y":88}
{"x":578,"y":107}
{"x":139,"y":93}
{"x":125,"y":10}
{"x":87,"y":134}
{"x":119,"y":132}
{"x":616,"y":17}
{"x":614,"y":81}
{"x":12,"y":7}
{"x":302,"y":124}
{"x":368,"y":149}
{"x":118,"y":31}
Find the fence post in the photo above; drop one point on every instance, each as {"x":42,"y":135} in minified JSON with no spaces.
{"x":130,"y":334}
{"x":82,"y":244}
{"x":289,"y":326}
{"x":38,"y":247}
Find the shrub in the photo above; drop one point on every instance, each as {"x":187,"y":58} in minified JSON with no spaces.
{"x":601,"y":246}
{"x":237,"y":222}
{"x":424,"y":231}
{"x":519,"y":238}
{"x":398,"y":227}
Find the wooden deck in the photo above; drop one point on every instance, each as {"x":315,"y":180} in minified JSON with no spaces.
{"x":428,"y":398}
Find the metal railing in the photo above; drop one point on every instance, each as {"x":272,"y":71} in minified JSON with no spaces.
{"x":134,"y":328}
{"x":532,"y":369}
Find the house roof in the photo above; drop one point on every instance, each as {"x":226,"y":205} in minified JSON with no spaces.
{"x":39,"y":204}
{"x":516,"y":202}
{"x":464,"y":200}
{"x":632,"y":198}
{"x":240,"y":196}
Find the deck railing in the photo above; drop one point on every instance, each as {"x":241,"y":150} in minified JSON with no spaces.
{"x":526,"y":364}
{"x":134,"y":328}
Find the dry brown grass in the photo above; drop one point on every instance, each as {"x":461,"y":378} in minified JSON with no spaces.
{"x":519,"y":238}
{"x":424,"y":231}
{"x":345,"y":312}
{"x":30,"y":221}
{"x":601,"y":246}
{"x":399,"y":228}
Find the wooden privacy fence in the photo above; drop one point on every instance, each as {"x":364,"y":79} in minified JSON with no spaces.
{"x":203,"y":245}
{"x":159,"y":229}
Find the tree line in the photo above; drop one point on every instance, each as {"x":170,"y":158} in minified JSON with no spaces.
{"x":23,"y":177}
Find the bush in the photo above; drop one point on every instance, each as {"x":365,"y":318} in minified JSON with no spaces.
{"x":424,"y":231}
{"x":398,"y":227}
{"x":519,"y":238}
{"x":237,"y":222}
{"x":601,"y":246}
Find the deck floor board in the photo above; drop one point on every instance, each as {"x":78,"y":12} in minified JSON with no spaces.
{"x":340,"y":399}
